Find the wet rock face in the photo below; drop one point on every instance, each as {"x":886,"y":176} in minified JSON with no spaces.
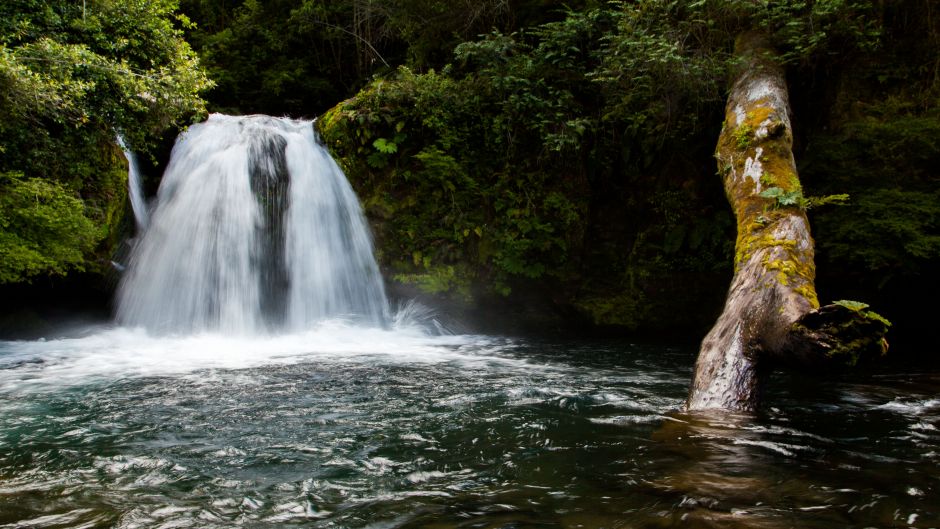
{"x":270,"y":182}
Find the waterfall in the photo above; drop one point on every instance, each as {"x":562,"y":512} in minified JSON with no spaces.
{"x":135,"y":188}
{"x":254,"y":229}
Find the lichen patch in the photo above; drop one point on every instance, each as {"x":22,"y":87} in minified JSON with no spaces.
{"x":739,"y":115}
{"x":753,"y":169}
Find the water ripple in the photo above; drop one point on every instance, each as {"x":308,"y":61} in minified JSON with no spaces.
{"x":452,"y":432}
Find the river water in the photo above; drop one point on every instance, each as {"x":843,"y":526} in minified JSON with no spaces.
{"x":400,"y":428}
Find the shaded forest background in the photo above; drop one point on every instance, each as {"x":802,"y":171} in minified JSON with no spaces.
{"x":524,"y":164}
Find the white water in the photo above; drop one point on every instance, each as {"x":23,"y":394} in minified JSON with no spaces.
{"x":254,"y":229}
{"x":111,"y":354}
{"x":135,"y":188}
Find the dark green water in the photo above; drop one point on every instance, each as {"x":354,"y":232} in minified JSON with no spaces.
{"x":347,"y":428}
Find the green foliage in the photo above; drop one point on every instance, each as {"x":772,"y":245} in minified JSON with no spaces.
{"x":805,"y":31}
{"x":301,"y":57}
{"x":838,"y":199}
{"x":859,"y":307}
{"x":856,"y":306}
{"x":785,"y":198}
{"x":571,"y":151}
{"x":440,"y":280}
{"x":872,"y":315}
{"x":442,"y":184}
{"x":665,"y":64}
{"x":43,"y":229}
{"x":624,"y":309}
{"x":72,"y":75}
{"x":782,"y":197}
{"x":887,"y":230}
{"x":430,"y":29}
{"x":384,"y":146}
{"x":662,"y":67}
{"x":795,"y":198}
{"x":886,"y":156}
{"x":100,"y":67}
{"x":503,"y":148}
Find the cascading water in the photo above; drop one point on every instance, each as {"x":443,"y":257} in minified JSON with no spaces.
{"x":255,"y":228}
{"x":135,"y":188}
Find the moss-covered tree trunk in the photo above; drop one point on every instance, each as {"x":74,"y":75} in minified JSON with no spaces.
{"x":774,"y":271}
{"x":771,"y":315}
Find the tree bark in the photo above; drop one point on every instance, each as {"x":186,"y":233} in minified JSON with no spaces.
{"x":773,"y":284}
{"x":771,"y":316}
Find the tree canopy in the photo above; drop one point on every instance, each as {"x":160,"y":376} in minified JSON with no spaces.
{"x":499,"y":143}
{"x":577,"y":151}
{"x":72,"y":77}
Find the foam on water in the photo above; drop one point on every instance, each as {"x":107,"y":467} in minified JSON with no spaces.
{"x":911,"y":407}
{"x":119,"y":353}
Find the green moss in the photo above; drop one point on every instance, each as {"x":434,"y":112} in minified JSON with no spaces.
{"x":758,"y":212}
{"x":742,"y":136}
{"x":750,"y":241}
{"x":796,"y":275}
{"x":862,"y":339}
{"x":759,"y":112}
{"x":106,"y":204}
{"x":809,"y":294}
{"x":786,"y":269}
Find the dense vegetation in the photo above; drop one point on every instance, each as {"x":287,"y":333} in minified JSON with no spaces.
{"x":576,"y":154}
{"x":551,"y":158}
{"x":72,"y":77}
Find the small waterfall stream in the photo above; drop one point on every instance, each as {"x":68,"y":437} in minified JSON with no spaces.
{"x":254,"y":229}
{"x":135,"y":189}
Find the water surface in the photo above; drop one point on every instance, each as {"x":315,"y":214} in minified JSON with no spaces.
{"x":345,"y":427}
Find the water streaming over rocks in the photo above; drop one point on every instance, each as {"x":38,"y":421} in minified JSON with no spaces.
{"x":254,"y":229}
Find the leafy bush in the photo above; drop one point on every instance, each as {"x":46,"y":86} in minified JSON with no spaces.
{"x":43,"y":229}
{"x":72,"y":75}
{"x":499,"y":161}
{"x":429,"y":153}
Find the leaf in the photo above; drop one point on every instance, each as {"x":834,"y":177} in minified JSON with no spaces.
{"x":784,"y":198}
{"x":872,"y":315}
{"x":385,"y":146}
{"x":856,"y":306}
{"x":793,"y":198}
{"x":771,"y":192}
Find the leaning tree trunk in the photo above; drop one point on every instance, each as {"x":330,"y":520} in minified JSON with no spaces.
{"x":769,"y":312}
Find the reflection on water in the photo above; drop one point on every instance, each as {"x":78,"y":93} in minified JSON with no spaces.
{"x":391,"y":429}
